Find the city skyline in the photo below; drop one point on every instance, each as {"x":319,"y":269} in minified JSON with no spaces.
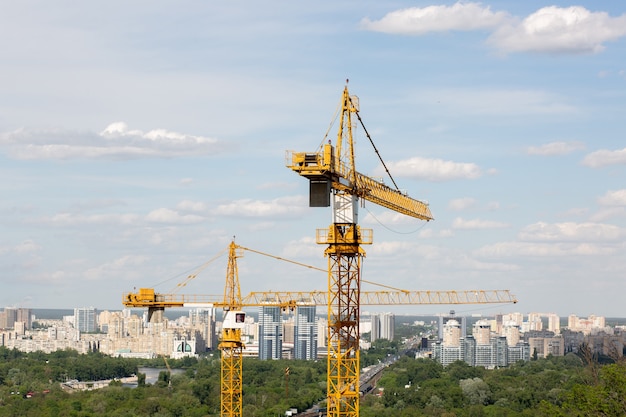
{"x":137,"y":141}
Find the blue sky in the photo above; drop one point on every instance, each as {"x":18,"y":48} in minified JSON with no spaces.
{"x":136,"y":139}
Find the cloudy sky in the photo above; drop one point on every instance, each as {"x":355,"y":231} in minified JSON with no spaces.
{"x":136,"y":139}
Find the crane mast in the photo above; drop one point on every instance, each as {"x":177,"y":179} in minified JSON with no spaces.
{"x":333,"y":178}
{"x":231,"y":346}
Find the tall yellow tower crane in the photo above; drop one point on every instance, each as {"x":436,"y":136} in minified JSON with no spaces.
{"x":333,"y":176}
{"x":231,"y":346}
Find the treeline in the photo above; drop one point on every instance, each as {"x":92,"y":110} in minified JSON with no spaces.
{"x":557,"y":386}
{"x":30,"y":385}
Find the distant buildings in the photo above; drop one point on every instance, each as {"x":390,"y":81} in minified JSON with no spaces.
{"x":483,"y":347}
{"x":11,"y":315}
{"x":302,"y":334}
{"x":586,"y":325}
{"x":509,"y":338}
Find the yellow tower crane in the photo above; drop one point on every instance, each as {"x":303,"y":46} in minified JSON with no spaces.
{"x":333,"y":176}
{"x":231,"y":345}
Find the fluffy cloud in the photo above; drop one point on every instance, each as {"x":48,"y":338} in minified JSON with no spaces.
{"x":613,"y":206}
{"x":570,"y":232}
{"x":434,"y":169}
{"x":420,"y":20}
{"x":66,"y":219}
{"x":541,"y":250}
{"x":283,"y":206}
{"x":116,"y":141}
{"x":195,"y":206}
{"x":555,"y":148}
{"x":459,"y":204}
{"x":604,"y":157}
{"x":550,"y":29}
{"x":164,"y":215}
{"x":476,"y":224}
{"x":561,"y":30}
{"x":613,"y":198}
{"x":116,"y":267}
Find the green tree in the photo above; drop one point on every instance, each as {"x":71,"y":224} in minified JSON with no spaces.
{"x":476,"y":391}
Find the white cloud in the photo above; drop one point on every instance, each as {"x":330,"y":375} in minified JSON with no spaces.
{"x":476,"y":224}
{"x":493,"y":205}
{"x":417,"y":21}
{"x":556,"y":29}
{"x":164,"y":215}
{"x":613,"y":206}
{"x":613,"y":198}
{"x":195,"y":206}
{"x":555,"y":148}
{"x":283,"y":206}
{"x":434,"y":169}
{"x":469,"y":264}
{"x":72,"y":219}
{"x":431,"y":233}
{"x":570,"y":232}
{"x":116,"y":141}
{"x":305,"y":247}
{"x":114,"y":268}
{"x":459,"y":204}
{"x":608,"y":213}
{"x":537,"y":249}
{"x":604,"y":157}
{"x":389,"y":219}
{"x":27,"y":246}
{"x":550,"y":29}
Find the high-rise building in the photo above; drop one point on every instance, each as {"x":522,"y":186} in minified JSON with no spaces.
{"x":85,"y":319}
{"x":289,"y":331}
{"x":449,"y":348}
{"x":322,"y":332}
{"x":461,"y":321}
{"x":203,"y":320}
{"x":305,"y":332}
{"x":482,"y":332}
{"x":270,"y":333}
{"x":8,"y":318}
{"x":383,"y":326}
{"x":554,"y":323}
{"x":115,"y":325}
{"x":452,"y":334}
{"x":511,"y":332}
{"x":484,"y":354}
{"x":24,"y":315}
{"x":534,"y":322}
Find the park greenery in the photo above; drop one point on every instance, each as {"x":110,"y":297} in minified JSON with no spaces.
{"x":573,"y":385}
